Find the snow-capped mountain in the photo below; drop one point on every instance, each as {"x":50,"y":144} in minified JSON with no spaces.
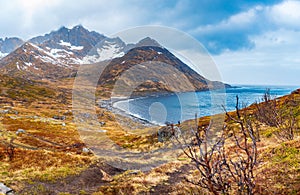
{"x":76,"y":46}
{"x":59,"y":53}
{"x":80,"y":46}
{"x":30,"y":61}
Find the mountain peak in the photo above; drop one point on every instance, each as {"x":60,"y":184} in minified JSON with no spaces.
{"x":7,"y":45}
{"x":147,"y":41}
{"x":78,"y":26}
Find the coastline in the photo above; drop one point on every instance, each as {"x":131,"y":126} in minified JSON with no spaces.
{"x":108,"y":105}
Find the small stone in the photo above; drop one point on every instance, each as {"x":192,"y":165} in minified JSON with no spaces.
{"x":86,"y":150}
{"x":102,"y":131}
{"x":63,"y":124}
{"x":134,"y":172}
{"x":59,"y":117}
{"x":20,"y":131}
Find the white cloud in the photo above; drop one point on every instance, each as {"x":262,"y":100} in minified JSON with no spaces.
{"x":233,"y":23}
{"x":274,"y":60}
{"x":286,"y":14}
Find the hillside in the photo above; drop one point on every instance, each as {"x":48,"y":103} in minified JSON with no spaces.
{"x":49,"y":154}
{"x":154,"y":69}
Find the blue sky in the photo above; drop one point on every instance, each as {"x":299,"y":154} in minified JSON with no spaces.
{"x":251,"y":42}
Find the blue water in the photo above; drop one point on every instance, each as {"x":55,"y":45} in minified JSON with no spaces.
{"x":183,"y":106}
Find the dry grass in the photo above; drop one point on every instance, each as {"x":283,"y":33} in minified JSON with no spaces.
{"x":278,"y":171}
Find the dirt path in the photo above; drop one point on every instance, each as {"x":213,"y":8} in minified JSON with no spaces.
{"x":174,"y":178}
{"x":88,"y":181}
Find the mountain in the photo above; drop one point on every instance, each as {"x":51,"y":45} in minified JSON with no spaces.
{"x":85,"y":46}
{"x":31,"y":62}
{"x":147,"y":42}
{"x":157,"y":70}
{"x":78,"y":40}
{"x":107,"y":49}
{"x":57,"y":55}
{"x":7,"y":45}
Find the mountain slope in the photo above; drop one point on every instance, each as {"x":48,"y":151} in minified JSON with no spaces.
{"x":31,"y":62}
{"x":158,"y":70}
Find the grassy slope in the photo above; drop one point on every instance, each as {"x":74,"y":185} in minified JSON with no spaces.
{"x":50,"y":154}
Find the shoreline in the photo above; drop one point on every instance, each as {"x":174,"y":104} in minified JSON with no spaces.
{"x":108,"y":105}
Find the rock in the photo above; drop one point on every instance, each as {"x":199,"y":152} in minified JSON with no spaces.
{"x":106,"y":177}
{"x":59,"y":117}
{"x":63,"y":124}
{"x":86,"y":151}
{"x":4,"y":111}
{"x":5,"y":190}
{"x":134,"y":172}
{"x":86,"y":115}
{"x":101,"y":131}
{"x":102,"y":123}
{"x":56,"y":117}
{"x":167,"y":132}
{"x":297,"y":91}
{"x":20,"y":131}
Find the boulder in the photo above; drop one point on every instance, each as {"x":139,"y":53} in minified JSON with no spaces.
{"x":86,"y":151}
{"x":167,"y":132}
{"x":102,"y":123}
{"x":5,"y":190}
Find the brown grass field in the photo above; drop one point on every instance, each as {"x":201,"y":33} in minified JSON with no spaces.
{"x":49,"y":159}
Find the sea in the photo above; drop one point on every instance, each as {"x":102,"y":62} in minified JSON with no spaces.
{"x":178,"y":107}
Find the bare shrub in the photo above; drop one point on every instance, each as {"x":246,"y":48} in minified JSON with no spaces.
{"x":281,"y":116}
{"x":224,"y":167}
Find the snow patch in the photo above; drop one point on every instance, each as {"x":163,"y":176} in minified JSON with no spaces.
{"x":48,"y":59}
{"x":2,"y":55}
{"x":70,"y":46}
{"x":18,"y":67}
{"x":57,"y":53}
{"x":76,"y":47}
{"x":62,"y":43}
{"x":109,"y":51}
{"x":159,"y":52}
{"x":28,"y":63}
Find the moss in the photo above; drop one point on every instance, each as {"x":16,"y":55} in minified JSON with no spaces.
{"x":286,"y":154}
{"x":37,"y":190}
{"x":269,"y":132}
